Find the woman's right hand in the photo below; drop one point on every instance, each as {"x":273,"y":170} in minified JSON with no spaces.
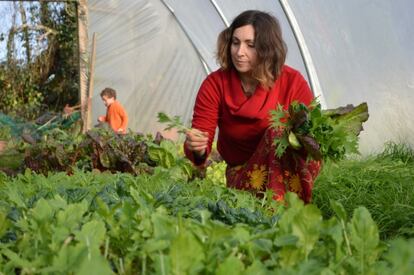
{"x":196,"y":141}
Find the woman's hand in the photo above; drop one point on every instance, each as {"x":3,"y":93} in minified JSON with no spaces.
{"x":197,"y":141}
{"x":101,"y":119}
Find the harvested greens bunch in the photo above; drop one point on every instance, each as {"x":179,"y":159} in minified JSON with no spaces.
{"x":324,"y":134}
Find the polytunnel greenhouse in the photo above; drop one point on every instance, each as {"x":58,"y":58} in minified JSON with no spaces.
{"x":158,"y":52}
{"x":110,"y":162}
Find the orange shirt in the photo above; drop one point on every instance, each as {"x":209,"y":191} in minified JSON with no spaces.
{"x":116,"y":117}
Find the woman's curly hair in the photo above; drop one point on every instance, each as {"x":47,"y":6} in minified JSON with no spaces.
{"x":270,"y":47}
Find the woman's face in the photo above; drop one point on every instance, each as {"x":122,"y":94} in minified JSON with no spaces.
{"x":243,"y":51}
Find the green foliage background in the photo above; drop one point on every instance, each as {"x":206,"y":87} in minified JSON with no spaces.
{"x":40,"y":72}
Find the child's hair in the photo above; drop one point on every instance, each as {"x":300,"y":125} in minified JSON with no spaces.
{"x":109,"y":92}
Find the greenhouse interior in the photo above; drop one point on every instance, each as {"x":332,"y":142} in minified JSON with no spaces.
{"x":158,"y":52}
{"x":319,"y":187}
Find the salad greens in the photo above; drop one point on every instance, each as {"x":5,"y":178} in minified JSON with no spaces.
{"x":324,"y":134}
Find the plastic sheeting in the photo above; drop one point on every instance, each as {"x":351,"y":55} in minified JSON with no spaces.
{"x":200,"y":20}
{"x":203,"y":20}
{"x":232,"y":8}
{"x":363,"y":51}
{"x":143,"y":54}
{"x":154,"y":56}
{"x":155,"y":53}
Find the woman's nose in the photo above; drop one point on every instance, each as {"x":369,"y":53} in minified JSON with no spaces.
{"x":241,"y":50}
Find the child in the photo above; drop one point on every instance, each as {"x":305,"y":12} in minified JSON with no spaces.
{"x":116,"y":116}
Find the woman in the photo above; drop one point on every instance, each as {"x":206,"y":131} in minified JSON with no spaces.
{"x":237,"y":99}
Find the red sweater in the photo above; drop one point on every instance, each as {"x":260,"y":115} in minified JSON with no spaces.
{"x":242,"y":121}
{"x":116,"y":117}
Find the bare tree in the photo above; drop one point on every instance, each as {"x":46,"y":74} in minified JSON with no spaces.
{"x":25,"y":30}
{"x":10,"y":40}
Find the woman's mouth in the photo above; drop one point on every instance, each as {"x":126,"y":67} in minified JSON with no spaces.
{"x":241,"y":62}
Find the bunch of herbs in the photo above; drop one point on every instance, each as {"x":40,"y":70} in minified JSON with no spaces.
{"x":324,"y":134}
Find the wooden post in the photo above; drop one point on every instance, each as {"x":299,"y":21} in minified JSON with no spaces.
{"x":91,"y":83}
{"x":83,"y":59}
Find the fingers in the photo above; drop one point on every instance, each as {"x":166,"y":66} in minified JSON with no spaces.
{"x":197,"y":141}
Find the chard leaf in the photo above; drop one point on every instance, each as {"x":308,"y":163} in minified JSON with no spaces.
{"x":256,"y":268}
{"x":4,"y":223}
{"x":16,"y":259}
{"x":400,"y":256}
{"x":231,"y":265}
{"x":286,"y":240}
{"x":92,"y":234}
{"x":350,"y":117}
{"x":306,"y":226}
{"x":311,"y":146}
{"x":162,"y":264}
{"x":186,"y":253}
{"x":42,"y":212}
{"x":153,"y":245}
{"x":72,"y":215}
{"x":13,"y":194}
{"x":298,"y":119}
{"x":339,"y":210}
{"x":105,"y":159}
{"x":161,"y":156}
{"x":163,"y":226}
{"x":364,"y":238}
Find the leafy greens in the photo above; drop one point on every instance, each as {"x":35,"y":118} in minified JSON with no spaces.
{"x":324,"y":134}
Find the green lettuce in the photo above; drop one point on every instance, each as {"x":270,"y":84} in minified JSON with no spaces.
{"x":324,"y":134}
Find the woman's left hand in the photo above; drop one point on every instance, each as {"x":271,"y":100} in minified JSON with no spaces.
{"x":197,"y":141}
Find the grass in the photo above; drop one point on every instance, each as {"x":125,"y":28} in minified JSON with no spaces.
{"x":383,"y":183}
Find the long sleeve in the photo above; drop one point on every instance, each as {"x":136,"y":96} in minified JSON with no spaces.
{"x":124,"y":118}
{"x":206,"y":114}
{"x":117,"y":117}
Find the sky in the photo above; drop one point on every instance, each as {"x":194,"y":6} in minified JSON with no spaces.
{"x":6,"y":9}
